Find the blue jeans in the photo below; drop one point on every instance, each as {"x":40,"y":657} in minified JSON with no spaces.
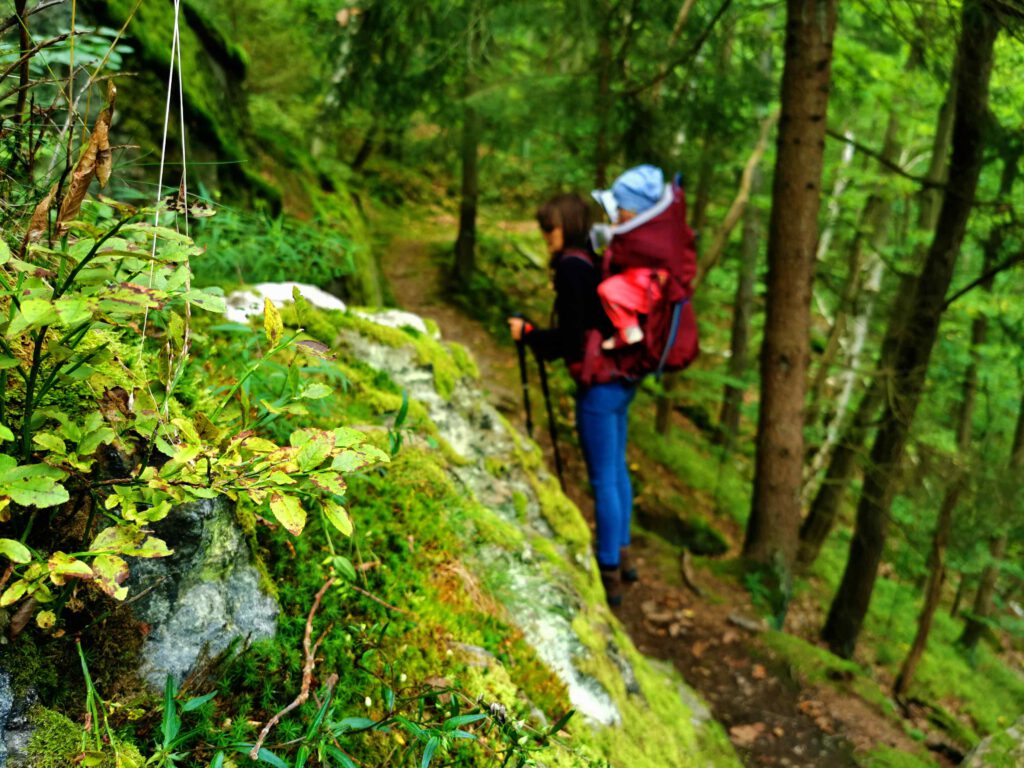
{"x":602,"y":413}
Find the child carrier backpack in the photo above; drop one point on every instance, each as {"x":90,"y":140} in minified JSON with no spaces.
{"x":658,"y":238}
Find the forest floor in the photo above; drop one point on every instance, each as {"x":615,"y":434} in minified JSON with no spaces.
{"x":773,"y":716}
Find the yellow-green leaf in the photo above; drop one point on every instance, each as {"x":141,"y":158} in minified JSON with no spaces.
{"x":313,"y":452}
{"x":272,"y":324}
{"x":111,"y":572}
{"x":50,"y":442}
{"x":15,"y":551}
{"x":63,"y":566}
{"x":5,"y":434}
{"x":14,"y":593}
{"x":33,"y":313}
{"x":289,"y":513}
{"x":46,"y":619}
{"x":338,"y":516}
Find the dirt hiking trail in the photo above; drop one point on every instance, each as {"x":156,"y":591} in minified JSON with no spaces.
{"x":714,"y":640}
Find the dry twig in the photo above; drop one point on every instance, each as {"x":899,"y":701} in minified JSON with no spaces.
{"x":307,"y":670}
{"x":376,"y":599}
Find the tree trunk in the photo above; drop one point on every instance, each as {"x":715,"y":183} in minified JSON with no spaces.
{"x":825,"y":507}
{"x":834,"y":209}
{"x":771,"y":535}
{"x":944,"y":524}
{"x":846,"y":615}
{"x":604,"y":103}
{"x":465,"y":244}
{"x":743,"y":311}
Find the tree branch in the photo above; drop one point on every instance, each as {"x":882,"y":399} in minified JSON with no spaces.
{"x":307,"y":670}
{"x":714,"y":252}
{"x":985,"y":277}
{"x":12,"y":20}
{"x":688,"y":56}
{"x":876,"y":155}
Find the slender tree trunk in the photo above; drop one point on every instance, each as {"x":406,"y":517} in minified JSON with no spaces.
{"x":465,"y":244}
{"x":743,"y":311}
{"x":982,"y":608}
{"x":944,"y":524}
{"x":958,"y":597}
{"x":825,"y":507}
{"x":605,"y":103}
{"x":873,"y":229}
{"x":24,"y":45}
{"x":834,"y":208}
{"x":772,"y":528}
{"x":846,"y":615}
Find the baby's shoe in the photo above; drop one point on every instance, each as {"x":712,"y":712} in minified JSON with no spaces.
{"x":632,"y":335}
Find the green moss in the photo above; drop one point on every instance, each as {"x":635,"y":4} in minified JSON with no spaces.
{"x":429,"y":352}
{"x":520,"y":503}
{"x":56,"y":743}
{"x":561,"y":514}
{"x":27,"y":666}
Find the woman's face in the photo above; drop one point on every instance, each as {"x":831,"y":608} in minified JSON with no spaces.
{"x":554,"y":239}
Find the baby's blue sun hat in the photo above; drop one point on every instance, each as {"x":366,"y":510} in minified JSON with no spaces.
{"x":639,"y":188}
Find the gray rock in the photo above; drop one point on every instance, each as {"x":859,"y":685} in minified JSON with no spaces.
{"x":201,"y":598}
{"x":15,"y":728}
{"x":1000,"y":750}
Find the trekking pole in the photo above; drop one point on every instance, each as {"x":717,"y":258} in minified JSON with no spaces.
{"x":552,"y":426}
{"x":521,"y":351}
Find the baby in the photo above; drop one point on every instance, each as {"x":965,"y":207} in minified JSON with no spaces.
{"x":634,"y":290}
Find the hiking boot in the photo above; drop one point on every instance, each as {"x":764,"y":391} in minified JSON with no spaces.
{"x":612,"y":583}
{"x":627,"y":568}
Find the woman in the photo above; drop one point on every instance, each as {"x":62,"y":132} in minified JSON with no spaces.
{"x":601,"y":409}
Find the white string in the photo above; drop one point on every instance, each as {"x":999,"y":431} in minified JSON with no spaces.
{"x":160,"y":181}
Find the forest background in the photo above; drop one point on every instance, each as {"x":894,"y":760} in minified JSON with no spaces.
{"x":852,"y":174}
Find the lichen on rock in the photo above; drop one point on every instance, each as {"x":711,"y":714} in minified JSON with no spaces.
{"x":206,"y":595}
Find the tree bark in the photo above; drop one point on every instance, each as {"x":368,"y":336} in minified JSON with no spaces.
{"x":772,"y":528}
{"x":825,"y":507}
{"x":743,"y":311}
{"x":846,"y":615}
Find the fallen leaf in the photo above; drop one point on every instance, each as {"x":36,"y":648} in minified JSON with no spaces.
{"x":746,"y":735}
{"x":758,"y":672}
{"x":698,"y":648}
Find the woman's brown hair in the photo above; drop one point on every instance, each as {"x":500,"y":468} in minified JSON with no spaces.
{"x":572,"y":214}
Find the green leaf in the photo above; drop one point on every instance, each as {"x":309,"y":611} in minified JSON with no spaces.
{"x":5,"y":434}
{"x":72,"y":311}
{"x":218,"y":761}
{"x":313,"y":453}
{"x":428,"y":752}
{"x":8,"y":362}
{"x":197,"y":701}
{"x":15,"y":551}
{"x":35,"y":485}
{"x":316,"y":391}
{"x":288,"y":512}
{"x":348,"y":461}
{"x":338,"y":516}
{"x":5,"y":252}
{"x":272,"y":324}
{"x":111,"y":572}
{"x":33,"y":313}
{"x":460,"y":720}
{"x":346,"y":437}
{"x":50,"y":442}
